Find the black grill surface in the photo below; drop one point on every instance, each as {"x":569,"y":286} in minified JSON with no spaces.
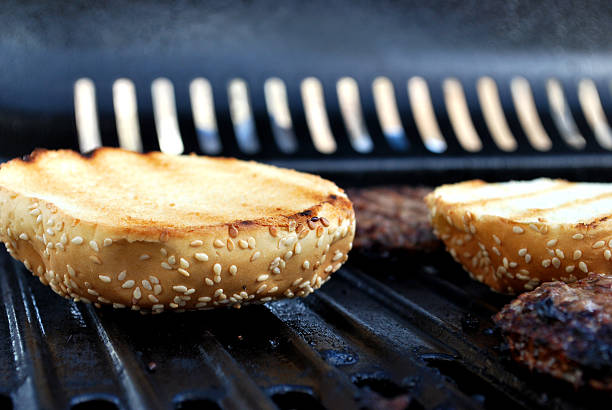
{"x":401,"y":333}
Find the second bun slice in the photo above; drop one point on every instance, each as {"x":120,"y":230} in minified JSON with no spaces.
{"x":512,"y":236}
{"x":159,"y":232}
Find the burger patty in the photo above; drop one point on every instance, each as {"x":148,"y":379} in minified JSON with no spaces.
{"x":564,"y":330}
{"x":393,"y":218}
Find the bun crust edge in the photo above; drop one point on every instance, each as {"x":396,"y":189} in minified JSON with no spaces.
{"x":156,"y":269}
{"x":513,"y":257}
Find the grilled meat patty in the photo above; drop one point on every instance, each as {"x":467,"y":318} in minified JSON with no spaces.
{"x":392,"y":218}
{"x":564,"y":330}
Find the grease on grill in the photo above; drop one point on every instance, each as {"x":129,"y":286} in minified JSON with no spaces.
{"x":564,"y":330}
{"x":391,"y":219}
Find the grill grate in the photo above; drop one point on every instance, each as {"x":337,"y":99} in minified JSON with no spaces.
{"x":417,"y":334}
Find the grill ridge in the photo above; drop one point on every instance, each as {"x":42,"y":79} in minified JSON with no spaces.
{"x":526,"y":105}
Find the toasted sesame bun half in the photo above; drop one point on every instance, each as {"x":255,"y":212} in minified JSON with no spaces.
{"x":514,"y":235}
{"x":159,"y":232}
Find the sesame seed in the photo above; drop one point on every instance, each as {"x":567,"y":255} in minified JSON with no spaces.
{"x":50,"y":245}
{"x":607,"y":254}
{"x":496,"y":251}
{"x":527,"y":258}
{"x":274,"y":289}
{"x":578,"y":236}
{"x":39,"y":270}
{"x":122,"y":275}
{"x":146,"y":284}
{"x":517,"y":229}
{"x":183,"y":272}
{"x":255,"y":255}
{"x":217,"y":269}
{"x":306,"y":265}
{"x":546,"y":263}
{"x":35,"y":212}
{"x":190,"y":291}
{"x":166,"y":266}
{"x":556,"y":262}
{"x":24,"y":236}
{"x":310,"y":224}
{"x":196,"y":243}
{"x":598,"y":244}
{"x":569,"y":268}
{"x":273,"y":231}
{"x":128,"y":284}
{"x":217,"y":279}
{"x":208,"y":281}
{"x":583,"y":267}
{"x":50,"y":232}
{"x":39,"y":219}
{"x":261,"y":288}
{"x":154,"y":300}
{"x":243,"y":244}
{"x":94,"y":246}
{"x":328,"y":269}
{"x":77,"y":240}
{"x":505,"y":262}
{"x":337,"y":256}
{"x":276,"y":271}
{"x":184,"y":264}
{"x":103,"y":300}
{"x":172,"y":260}
{"x":233,"y":232}
{"x":204,"y":299}
{"x":263,"y":277}
{"x":95,"y":259}
{"x":577,"y":254}
{"x":288,"y":255}
{"x":522,"y":252}
{"x":157,"y":289}
{"x":104,"y":278}
{"x":92,"y":292}
{"x":297,"y":249}
{"x":319,"y":231}
{"x":70,"y":270}
{"x":496,"y":239}
{"x":324,"y":221}
{"x":218,"y":292}
{"x":144,"y":257}
{"x":63,"y":239}
{"x":163,"y":251}
{"x":137,"y":294}
{"x":180,"y":288}
{"x":266,"y":299}
{"x":560,"y":253}
{"x":513,"y":264}
{"x":107,"y":242}
{"x":202,"y":257}
{"x":551,"y":243}
{"x":233,"y":270}
{"x":218,"y":243}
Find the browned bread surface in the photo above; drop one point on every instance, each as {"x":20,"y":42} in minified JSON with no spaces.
{"x":158,"y":232}
{"x":513,"y":236}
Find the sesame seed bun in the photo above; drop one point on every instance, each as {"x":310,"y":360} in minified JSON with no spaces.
{"x":159,"y":232}
{"x":512,"y":236}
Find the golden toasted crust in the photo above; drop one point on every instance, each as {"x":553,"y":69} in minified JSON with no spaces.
{"x":516,"y":253}
{"x":285,"y":233}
